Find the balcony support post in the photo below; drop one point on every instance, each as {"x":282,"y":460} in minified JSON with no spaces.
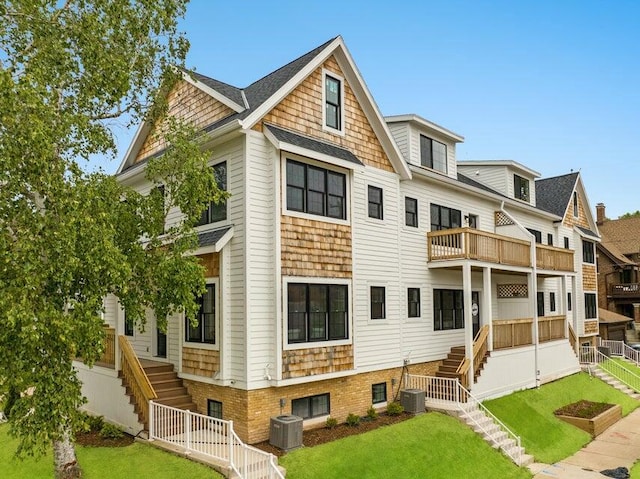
{"x":468,"y":319}
{"x":486,"y":305}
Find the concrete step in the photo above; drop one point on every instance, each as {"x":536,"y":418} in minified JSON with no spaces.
{"x":525,"y":460}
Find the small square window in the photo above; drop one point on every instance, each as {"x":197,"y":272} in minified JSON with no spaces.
{"x":411,"y":211}
{"x":378,"y":302}
{"x":413,"y":302}
{"x":214,"y":409}
{"x":375,"y":202}
{"x":378,"y":393}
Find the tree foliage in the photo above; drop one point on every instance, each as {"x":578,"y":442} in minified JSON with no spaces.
{"x":68,"y":70}
{"x":635,"y":214}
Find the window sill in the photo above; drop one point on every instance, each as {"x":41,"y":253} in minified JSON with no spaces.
{"x":207,"y":346}
{"x":308,"y":216}
{"x":316,"y":344}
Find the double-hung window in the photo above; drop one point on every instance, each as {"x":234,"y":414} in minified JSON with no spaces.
{"x":433,"y":154}
{"x":448,"y":309}
{"x":375,"y":202}
{"x":216,"y":211}
{"x":411,"y":211}
{"x":520,"y":188}
{"x":315,"y":190}
{"x":588,"y":252}
{"x":413,"y":302}
{"x":333,"y":102}
{"x":378,"y":302}
{"x":317,"y":312}
{"x":205,"y":330}
{"x":590,"y":306}
{"x":443,"y":218}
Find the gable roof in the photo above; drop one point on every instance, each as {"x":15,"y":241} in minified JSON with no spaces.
{"x":554,"y":194}
{"x":623,"y":233}
{"x":256,"y":100}
{"x":612,"y":251}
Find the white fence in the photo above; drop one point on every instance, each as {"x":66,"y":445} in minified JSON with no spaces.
{"x":448,"y":391}
{"x":211,"y":437}
{"x":619,"y":348}
{"x":591,"y":355}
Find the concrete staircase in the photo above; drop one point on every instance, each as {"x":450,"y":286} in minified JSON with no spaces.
{"x":611,"y":381}
{"x":493,"y":434}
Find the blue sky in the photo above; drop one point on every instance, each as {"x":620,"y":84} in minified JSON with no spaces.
{"x":551,"y":84}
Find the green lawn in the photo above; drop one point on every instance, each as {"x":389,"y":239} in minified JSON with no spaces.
{"x":430,"y":445}
{"x":138,"y":460}
{"x":530,"y":414}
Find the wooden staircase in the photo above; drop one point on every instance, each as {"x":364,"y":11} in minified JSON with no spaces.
{"x":452,"y":365}
{"x":168,"y":387}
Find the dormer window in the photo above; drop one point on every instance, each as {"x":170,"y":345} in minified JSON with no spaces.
{"x":521,"y":188}
{"x":333,"y":102}
{"x":433,"y":154}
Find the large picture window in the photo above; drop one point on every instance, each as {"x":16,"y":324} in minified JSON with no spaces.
{"x":311,"y":406}
{"x":216,"y":211}
{"x":315,"y":190}
{"x":433,"y":154}
{"x":443,"y":218}
{"x":317,"y":312}
{"x":448,"y":309}
{"x":205,"y":330}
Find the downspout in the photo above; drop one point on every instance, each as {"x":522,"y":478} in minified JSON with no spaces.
{"x":534,"y":288}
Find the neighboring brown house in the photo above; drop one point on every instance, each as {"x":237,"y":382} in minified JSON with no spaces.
{"x":618,"y":264}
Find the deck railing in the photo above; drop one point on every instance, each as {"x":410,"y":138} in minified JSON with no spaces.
{"x":108,"y":357}
{"x":555,"y":259}
{"x":592,"y":357}
{"x":210,"y":437}
{"x":135,"y":377}
{"x":573,"y":339}
{"x":624,"y":290}
{"x":551,"y":328}
{"x":448,"y":391}
{"x":619,"y":348}
{"x":512,"y":333}
{"x":480,"y":347}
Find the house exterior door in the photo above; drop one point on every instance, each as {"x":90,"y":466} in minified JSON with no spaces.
{"x":161,"y":344}
{"x":475,"y":311}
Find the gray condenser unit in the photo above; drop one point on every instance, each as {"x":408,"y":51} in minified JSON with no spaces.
{"x":412,"y":400}
{"x":285,"y":432}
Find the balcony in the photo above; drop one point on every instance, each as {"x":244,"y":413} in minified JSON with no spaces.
{"x":470,"y":243}
{"x":624,"y":290}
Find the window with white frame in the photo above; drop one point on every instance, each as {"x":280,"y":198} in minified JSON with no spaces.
{"x":411,"y":211}
{"x":443,"y":218}
{"x":588,"y":252}
{"x":448,"y":309}
{"x":590,"y":306}
{"x":520,"y":188}
{"x":413,"y":302}
{"x":374,"y":198}
{"x":205,"y":329}
{"x":216,"y":211}
{"x":317,"y":312}
{"x":433,"y":154}
{"x":333,"y":102}
{"x":378,"y":302}
{"x":315,"y":190}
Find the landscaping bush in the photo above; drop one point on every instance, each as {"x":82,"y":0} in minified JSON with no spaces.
{"x":109,"y":431}
{"x":395,"y":409}
{"x":9,"y":400}
{"x":95,"y":423}
{"x":331,"y":422}
{"x":353,"y":420}
{"x":372,"y":413}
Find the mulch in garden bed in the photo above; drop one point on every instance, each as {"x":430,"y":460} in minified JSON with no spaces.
{"x":94,"y":439}
{"x":322,"y":435}
{"x":583,"y":409}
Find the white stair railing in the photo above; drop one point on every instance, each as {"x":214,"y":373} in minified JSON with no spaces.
{"x":620,"y":348}
{"x":447,"y":391}
{"x":591,"y":356}
{"x":211,"y":437}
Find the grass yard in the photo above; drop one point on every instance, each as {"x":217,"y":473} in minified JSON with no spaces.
{"x":431,"y":445}
{"x":138,"y":460}
{"x":530,"y":414}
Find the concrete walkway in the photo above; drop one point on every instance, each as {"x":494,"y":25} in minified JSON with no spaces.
{"x":618,"y":446}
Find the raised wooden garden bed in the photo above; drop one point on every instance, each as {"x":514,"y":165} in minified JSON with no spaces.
{"x":591,"y":417}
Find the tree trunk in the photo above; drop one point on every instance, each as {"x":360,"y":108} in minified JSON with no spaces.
{"x":64,"y":458}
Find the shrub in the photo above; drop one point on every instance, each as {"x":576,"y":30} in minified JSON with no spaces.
{"x":372,"y":413}
{"x":109,"y":431}
{"x":353,"y":420}
{"x":331,"y":422}
{"x":96,"y":423}
{"x":395,"y":409}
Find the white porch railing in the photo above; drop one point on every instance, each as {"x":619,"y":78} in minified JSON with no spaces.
{"x":210,"y":437}
{"x":591,"y":356}
{"x":448,"y":391}
{"x":620,"y":348}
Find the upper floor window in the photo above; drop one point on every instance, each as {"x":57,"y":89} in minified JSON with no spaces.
{"x":537,"y":234}
{"x":375,"y":202}
{"x":216,"y":211}
{"x":443,"y":218}
{"x":566,"y":242}
{"x":590,"y":306}
{"x":317,"y":312}
{"x":552,"y":302}
{"x":520,"y":188}
{"x":378,"y":300}
{"x":205,"y":330}
{"x":433,"y":154}
{"x":472,"y":221}
{"x":411,"y":211}
{"x":315,"y":190}
{"x":333,"y":102}
{"x":413,"y":302}
{"x":588,"y":252}
{"x":576,"y":211}
{"x":448,"y":309}
{"x":550,"y":239}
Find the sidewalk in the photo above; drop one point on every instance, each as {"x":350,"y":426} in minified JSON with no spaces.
{"x":618,"y":446}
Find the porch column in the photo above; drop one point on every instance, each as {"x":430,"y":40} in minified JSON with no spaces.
{"x":532,"y":281}
{"x":119,"y":331}
{"x":563,"y":291}
{"x":574,"y":306}
{"x":487,"y":306}
{"x":468,"y":319}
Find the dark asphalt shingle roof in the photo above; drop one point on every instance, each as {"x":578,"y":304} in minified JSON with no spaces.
{"x":313,"y":144}
{"x":210,"y":238}
{"x":588,"y":232}
{"x":553,"y":194}
{"x":231,"y":92}
{"x":471,"y":182}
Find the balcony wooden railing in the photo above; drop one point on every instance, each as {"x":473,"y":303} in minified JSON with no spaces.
{"x":573,"y":339}
{"x":555,"y":259}
{"x":551,"y":328}
{"x":470,"y":243}
{"x":135,"y":377}
{"x":512,"y":333}
{"x":479,"y":350}
{"x":108,"y":357}
{"x":624,"y":290}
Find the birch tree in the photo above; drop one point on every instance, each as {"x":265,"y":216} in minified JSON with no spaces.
{"x":68,"y":71}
